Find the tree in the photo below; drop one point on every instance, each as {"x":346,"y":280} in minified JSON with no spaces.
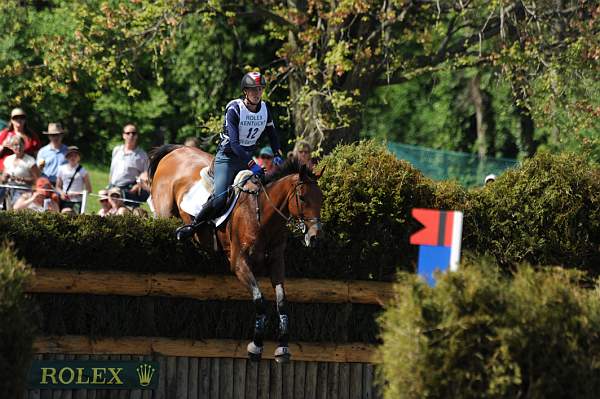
{"x":330,"y":56}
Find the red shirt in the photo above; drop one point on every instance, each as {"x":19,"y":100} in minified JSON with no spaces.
{"x":32,"y":144}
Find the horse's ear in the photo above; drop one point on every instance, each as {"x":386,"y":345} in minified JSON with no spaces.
{"x":320,"y":173}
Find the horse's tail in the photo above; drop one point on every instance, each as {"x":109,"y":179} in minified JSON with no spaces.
{"x":157,"y":154}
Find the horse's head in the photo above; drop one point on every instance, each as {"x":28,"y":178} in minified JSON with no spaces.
{"x":305,"y":205}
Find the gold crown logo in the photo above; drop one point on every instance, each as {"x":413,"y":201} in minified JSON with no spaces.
{"x":145,"y":373}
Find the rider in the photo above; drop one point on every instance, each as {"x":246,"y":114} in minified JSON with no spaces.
{"x":246,"y":118}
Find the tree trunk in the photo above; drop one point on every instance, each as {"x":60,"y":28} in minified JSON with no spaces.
{"x":527,"y":131}
{"x":477,"y":99}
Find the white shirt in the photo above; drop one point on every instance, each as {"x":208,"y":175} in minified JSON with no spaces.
{"x":20,"y":168}
{"x":125,"y":167}
{"x":251,"y":124}
{"x":65,"y":173}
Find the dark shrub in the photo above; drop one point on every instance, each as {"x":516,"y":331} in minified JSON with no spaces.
{"x":545,"y":212}
{"x":369,"y":194}
{"x":16,"y":325}
{"x":480,"y":334}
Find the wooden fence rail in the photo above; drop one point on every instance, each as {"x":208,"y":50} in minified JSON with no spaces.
{"x":209,"y":348}
{"x":208,"y":287}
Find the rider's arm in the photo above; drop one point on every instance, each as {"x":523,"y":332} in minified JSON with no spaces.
{"x":272,"y":133}
{"x":233,"y":120}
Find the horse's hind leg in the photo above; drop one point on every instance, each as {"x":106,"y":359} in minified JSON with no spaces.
{"x":276,"y":263}
{"x":245,"y":275}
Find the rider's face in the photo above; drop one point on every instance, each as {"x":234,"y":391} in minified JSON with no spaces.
{"x":254,"y":94}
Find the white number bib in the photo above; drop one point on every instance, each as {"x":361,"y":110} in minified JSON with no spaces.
{"x":251,"y":124}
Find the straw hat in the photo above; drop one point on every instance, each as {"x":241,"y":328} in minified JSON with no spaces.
{"x":72,"y":149}
{"x":17,"y":112}
{"x":54,"y":128}
{"x":114,"y":190}
{"x":102,"y":195}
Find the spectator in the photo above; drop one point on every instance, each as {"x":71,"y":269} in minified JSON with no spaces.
{"x":115,"y":199}
{"x":302,"y":152}
{"x":52,"y":155}
{"x":18,"y":126}
{"x":72,"y":178}
{"x":128,"y":163}
{"x":140,"y":212}
{"x":19,"y":168}
{"x":489,"y":179}
{"x":104,"y":203}
{"x":41,"y":200}
{"x":192,"y":142}
{"x":265,"y":159}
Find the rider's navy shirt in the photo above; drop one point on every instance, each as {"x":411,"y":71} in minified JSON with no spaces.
{"x":243,"y":128}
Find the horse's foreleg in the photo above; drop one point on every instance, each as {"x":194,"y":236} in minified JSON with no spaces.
{"x":282,"y":353}
{"x":245,"y":275}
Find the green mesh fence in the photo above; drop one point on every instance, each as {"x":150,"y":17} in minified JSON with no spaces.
{"x":467,"y":169}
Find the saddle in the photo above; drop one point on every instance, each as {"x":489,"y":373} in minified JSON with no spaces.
{"x":207,"y":179}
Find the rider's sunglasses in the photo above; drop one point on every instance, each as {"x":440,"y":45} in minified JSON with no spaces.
{"x":18,"y":118}
{"x":132,"y":132}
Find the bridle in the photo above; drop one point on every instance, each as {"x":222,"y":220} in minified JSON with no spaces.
{"x":297,"y":222}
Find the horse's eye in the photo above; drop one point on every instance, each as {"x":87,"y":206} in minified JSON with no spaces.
{"x":302,"y":198}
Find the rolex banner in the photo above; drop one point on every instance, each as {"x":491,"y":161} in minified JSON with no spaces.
{"x":93,"y":374}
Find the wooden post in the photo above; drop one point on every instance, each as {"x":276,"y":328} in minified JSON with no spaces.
{"x":322,"y":378}
{"x":239,"y":378}
{"x":344,"y":381}
{"x":275,"y":383}
{"x":264,"y":373}
{"x":251,"y":380}
{"x":181,"y":375}
{"x":333,"y":378}
{"x":356,"y":380}
{"x":215,"y":365}
{"x":193,"y":378}
{"x":204,"y":378}
{"x":311,"y":380}
{"x":287,"y":383}
{"x":171,"y":371}
{"x":226,"y":378}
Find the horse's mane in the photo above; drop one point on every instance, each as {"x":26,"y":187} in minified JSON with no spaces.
{"x":289,"y":167}
{"x":157,"y":154}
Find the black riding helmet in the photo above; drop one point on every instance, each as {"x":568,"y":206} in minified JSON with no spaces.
{"x":253,"y":79}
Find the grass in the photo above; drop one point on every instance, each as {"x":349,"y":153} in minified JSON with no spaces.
{"x":99,"y":180}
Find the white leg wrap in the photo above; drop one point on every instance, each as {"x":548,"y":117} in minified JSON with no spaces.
{"x":256,"y":350}
{"x":282,"y":351}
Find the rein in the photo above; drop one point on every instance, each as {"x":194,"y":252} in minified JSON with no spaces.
{"x":301,"y":224}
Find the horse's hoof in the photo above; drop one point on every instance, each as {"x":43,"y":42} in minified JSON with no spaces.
{"x":254,"y":352}
{"x":282,"y":354}
{"x":184,"y":232}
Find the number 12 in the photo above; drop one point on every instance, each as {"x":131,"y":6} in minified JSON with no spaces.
{"x":252,"y":132}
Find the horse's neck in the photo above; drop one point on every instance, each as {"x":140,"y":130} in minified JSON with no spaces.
{"x":279,"y":193}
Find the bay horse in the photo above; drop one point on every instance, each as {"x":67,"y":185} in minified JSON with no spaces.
{"x":255,"y":234}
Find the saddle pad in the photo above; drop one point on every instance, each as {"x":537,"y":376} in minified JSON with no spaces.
{"x":198,"y":194}
{"x":195,"y":198}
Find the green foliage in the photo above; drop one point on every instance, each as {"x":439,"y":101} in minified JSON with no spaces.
{"x":16,"y":324}
{"x":368,"y":198}
{"x":435,"y":111}
{"x":545,"y":212}
{"x":480,"y":334}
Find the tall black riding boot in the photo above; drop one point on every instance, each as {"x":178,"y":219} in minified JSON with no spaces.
{"x":188,"y":230}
